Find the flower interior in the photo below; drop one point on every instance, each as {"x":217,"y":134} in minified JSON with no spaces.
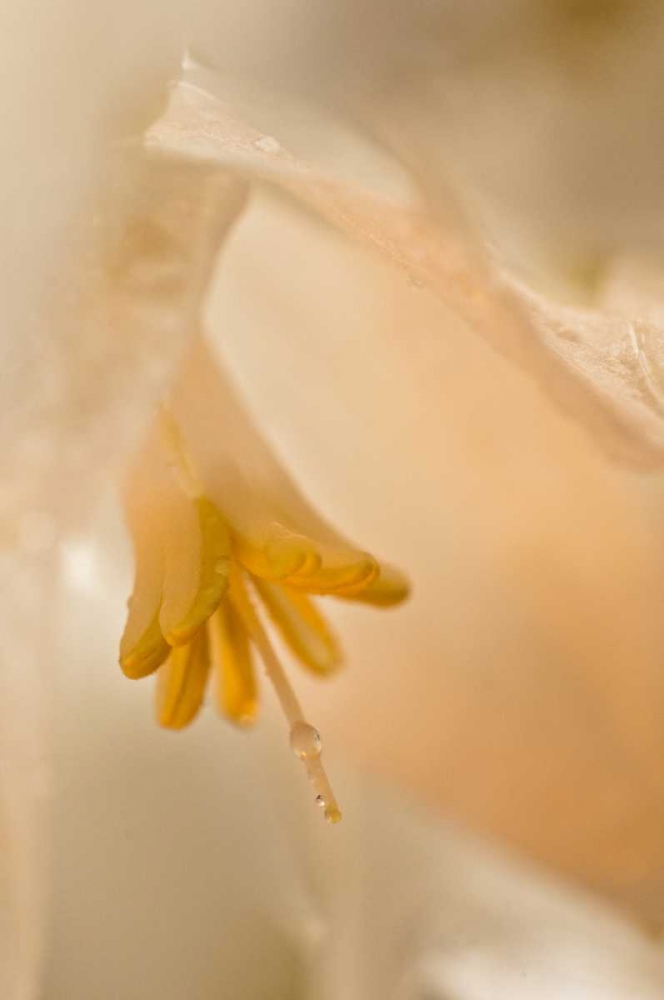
{"x":226,"y":549}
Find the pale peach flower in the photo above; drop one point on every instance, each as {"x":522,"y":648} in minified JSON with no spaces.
{"x":520,"y":690}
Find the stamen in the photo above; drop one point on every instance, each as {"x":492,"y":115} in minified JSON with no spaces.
{"x":197,"y":555}
{"x":233,"y":662}
{"x":301,"y":625}
{"x":304,"y":739}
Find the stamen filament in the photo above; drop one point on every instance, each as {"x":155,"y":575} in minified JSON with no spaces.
{"x":305,"y":741}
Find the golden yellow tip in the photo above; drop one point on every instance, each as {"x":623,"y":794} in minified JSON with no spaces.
{"x":147,"y":654}
{"x":288,"y":556}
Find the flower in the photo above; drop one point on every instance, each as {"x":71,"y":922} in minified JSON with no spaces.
{"x":593,"y":363}
{"x":600,"y":367}
{"x":215,"y":520}
{"x":541,"y":679}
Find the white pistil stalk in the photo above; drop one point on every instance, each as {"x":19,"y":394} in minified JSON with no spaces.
{"x":305,"y":740}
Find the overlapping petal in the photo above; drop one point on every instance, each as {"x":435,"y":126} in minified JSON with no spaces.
{"x":586,"y":363}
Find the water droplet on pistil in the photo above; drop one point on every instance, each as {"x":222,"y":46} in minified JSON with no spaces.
{"x":307,"y":745}
{"x":305,"y":741}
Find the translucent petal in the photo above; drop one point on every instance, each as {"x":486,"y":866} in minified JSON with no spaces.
{"x":232,"y":659}
{"x":181,"y":683}
{"x":301,"y":625}
{"x":603,"y":369}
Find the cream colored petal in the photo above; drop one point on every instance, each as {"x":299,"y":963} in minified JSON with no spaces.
{"x":534,"y":627}
{"x":571,"y":359}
